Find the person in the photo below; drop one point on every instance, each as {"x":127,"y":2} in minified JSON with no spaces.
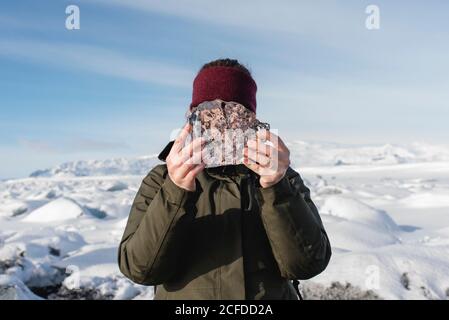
{"x":230,"y":232}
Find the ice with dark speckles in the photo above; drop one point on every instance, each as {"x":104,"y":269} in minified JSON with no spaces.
{"x":227,"y":126}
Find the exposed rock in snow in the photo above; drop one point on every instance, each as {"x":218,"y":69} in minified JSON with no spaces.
{"x":62,"y":293}
{"x":35,"y":272}
{"x":115,"y":186}
{"x":337,"y":291}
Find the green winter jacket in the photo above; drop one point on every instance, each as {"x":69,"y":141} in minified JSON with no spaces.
{"x":229,"y":239}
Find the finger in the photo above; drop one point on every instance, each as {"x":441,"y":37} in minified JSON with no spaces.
{"x":257,"y":168}
{"x":179,"y":142}
{"x":255,"y":145}
{"x":252,"y":165}
{"x":185,"y":168}
{"x":262,"y":148}
{"x":263,"y":134}
{"x":191,"y":163}
{"x":276,"y":154}
{"x":249,"y":156}
{"x":197,"y":157}
{"x":252,"y":143}
{"x":192,"y":148}
{"x":259,"y":141}
{"x":277,"y":141}
{"x":195,"y":171}
{"x":261,"y":159}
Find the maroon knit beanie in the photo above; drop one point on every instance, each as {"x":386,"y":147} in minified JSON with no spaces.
{"x":225,"y":83}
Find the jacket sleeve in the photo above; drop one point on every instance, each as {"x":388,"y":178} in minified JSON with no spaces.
{"x":149,"y":248}
{"x":299,"y":242}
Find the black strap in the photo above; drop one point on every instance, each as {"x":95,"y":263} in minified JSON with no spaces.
{"x":250,"y":193}
{"x":164,"y":153}
{"x":296,"y":286}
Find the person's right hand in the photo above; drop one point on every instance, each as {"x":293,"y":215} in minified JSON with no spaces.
{"x":184,"y":164}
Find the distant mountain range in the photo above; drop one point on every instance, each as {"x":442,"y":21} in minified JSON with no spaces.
{"x":305,"y":154}
{"x":117,"y":166}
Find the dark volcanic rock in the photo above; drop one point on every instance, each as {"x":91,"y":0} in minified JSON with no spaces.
{"x":337,"y":291}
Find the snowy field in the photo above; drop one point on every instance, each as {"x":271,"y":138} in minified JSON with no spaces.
{"x":386,"y":210}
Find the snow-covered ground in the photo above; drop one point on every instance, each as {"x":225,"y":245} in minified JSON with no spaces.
{"x":386,"y":210}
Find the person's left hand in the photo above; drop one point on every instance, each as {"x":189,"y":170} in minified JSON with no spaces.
{"x":269,"y":161}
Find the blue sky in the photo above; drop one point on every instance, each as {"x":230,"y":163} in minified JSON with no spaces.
{"x":122,"y":83}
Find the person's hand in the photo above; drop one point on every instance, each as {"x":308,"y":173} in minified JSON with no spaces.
{"x":269,"y":161}
{"x":184,"y":163}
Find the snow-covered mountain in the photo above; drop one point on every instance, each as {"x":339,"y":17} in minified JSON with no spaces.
{"x":84,"y":168}
{"x":327,"y":154}
{"x":302,"y":154}
{"x":385,"y":209}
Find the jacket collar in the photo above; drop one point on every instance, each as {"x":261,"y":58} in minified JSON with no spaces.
{"x":164,"y":153}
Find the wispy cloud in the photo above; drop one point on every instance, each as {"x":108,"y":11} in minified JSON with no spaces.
{"x":8,"y":22}
{"x":329,"y":24}
{"x":99,"y":60}
{"x":78,"y":145}
{"x":290,"y":16}
{"x":37,"y":145}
